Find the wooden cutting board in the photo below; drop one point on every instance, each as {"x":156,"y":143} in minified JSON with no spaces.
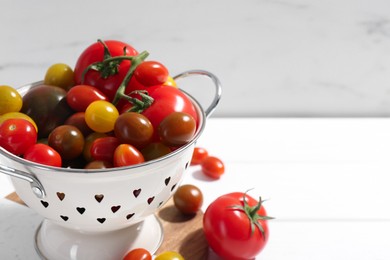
{"x":182,"y":233}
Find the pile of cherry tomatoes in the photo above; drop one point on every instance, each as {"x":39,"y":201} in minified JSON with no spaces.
{"x":113,"y":109}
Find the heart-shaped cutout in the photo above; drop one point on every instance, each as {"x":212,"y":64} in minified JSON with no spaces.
{"x":81,"y":210}
{"x":101,"y":220}
{"x":167,"y":180}
{"x":150,"y":200}
{"x":136,"y":193}
{"x":115,"y":208}
{"x":45,"y":203}
{"x":129,"y":215}
{"x":99,"y":197}
{"x":61,"y":195}
{"x":173,"y":187}
{"x":65,"y":218}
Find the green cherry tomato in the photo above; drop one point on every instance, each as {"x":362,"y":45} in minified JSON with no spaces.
{"x":17,"y":135}
{"x":126,"y":155}
{"x":60,"y":75}
{"x":138,"y":254}
{"x":10,"y":100}
{"x":169,"y":255}
{"x":188,"y":199}
{"x":177,"y":129}
{"x":67,"y":140}
{"x":133,"y":128}
{"x":43,"y":154}
{"x":101,"y":116}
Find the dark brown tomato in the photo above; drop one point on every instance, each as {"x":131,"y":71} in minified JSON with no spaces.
{"x":98,"y":165}
{"x":155,"y":150}
{"x":133,"y":128}
{"x":67,"y":140}
{"x":78,"y":120}
{"x":188,"y":199}
{"x":177,"y":129}
{"x":47,"y":106}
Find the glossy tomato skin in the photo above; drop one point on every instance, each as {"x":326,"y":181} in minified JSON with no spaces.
{"x":43,"y":154}
{"x":47,"y":106}
{"x":17,"y":135}
{"x":78,"y":120}
{"x":213,"y":167}
{"x":95,"y":53}
{"x":177,"y":129}
{"x":10,"y":100}
{"x":199,"y":155}
{"x":102,"y":149}
{"x":167,"y":100}
{"x":67,"y":140}
{"x":169,"y":255}
{"x":228,"y":230}
{"x":138,"y":254}
{"x":151,"y":73}
{"x":133,"y":128}
{"x":126,"y":155}
{"x":188,"y":199}
{"x":81,"y":96}
{"x":60,"y":75}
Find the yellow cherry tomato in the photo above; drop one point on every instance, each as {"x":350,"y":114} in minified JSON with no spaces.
{"x":10,"y":115}
{"x":169,"y":255}
{"x":10,"y":100}
{"x":60,"y":75}
{"x":100,"y":116}
{"x":170,"y":82}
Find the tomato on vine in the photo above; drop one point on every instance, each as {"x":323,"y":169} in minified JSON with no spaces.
{"x":106,"y":77}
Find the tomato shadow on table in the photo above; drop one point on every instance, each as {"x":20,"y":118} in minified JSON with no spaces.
{"x":173,"y":215}
{"x":199,"y":175}
{"x":194,"y":246}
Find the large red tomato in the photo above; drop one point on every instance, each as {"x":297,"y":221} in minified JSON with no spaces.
{"x":235,"y":226}
{"x":106,"y":78}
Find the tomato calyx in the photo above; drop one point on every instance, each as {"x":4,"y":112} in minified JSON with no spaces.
{"x":138,"y":105}
{"x":253,"y":216}
{"x":107,"y":67}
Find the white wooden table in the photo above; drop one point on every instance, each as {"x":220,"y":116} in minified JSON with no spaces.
{"x":326,"y":182}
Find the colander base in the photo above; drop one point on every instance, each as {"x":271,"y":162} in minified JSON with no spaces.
{"x":54,"y":242}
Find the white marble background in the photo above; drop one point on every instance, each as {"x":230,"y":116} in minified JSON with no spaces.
{"x":274,"y":57}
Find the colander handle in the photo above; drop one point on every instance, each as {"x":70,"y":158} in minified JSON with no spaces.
{"x":217,"y":84}
{"x":35,"y":184}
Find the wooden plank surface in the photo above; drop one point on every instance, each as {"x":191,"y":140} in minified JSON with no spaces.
{"x":182,"y":233}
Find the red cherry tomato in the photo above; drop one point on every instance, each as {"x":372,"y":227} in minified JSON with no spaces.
{"x":150,"y":73}
{"x":138,"y":254}
{"x":17,"y":135}
{"x":43,"y":154}
{"x":213,"y":167}
{"x":235,"y":226}
{"x":126,"y":155}
{"x":199,"y":155}
{"x":108,"y":84}
{"x":81,"y":96}
{"x":102,"y":149}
